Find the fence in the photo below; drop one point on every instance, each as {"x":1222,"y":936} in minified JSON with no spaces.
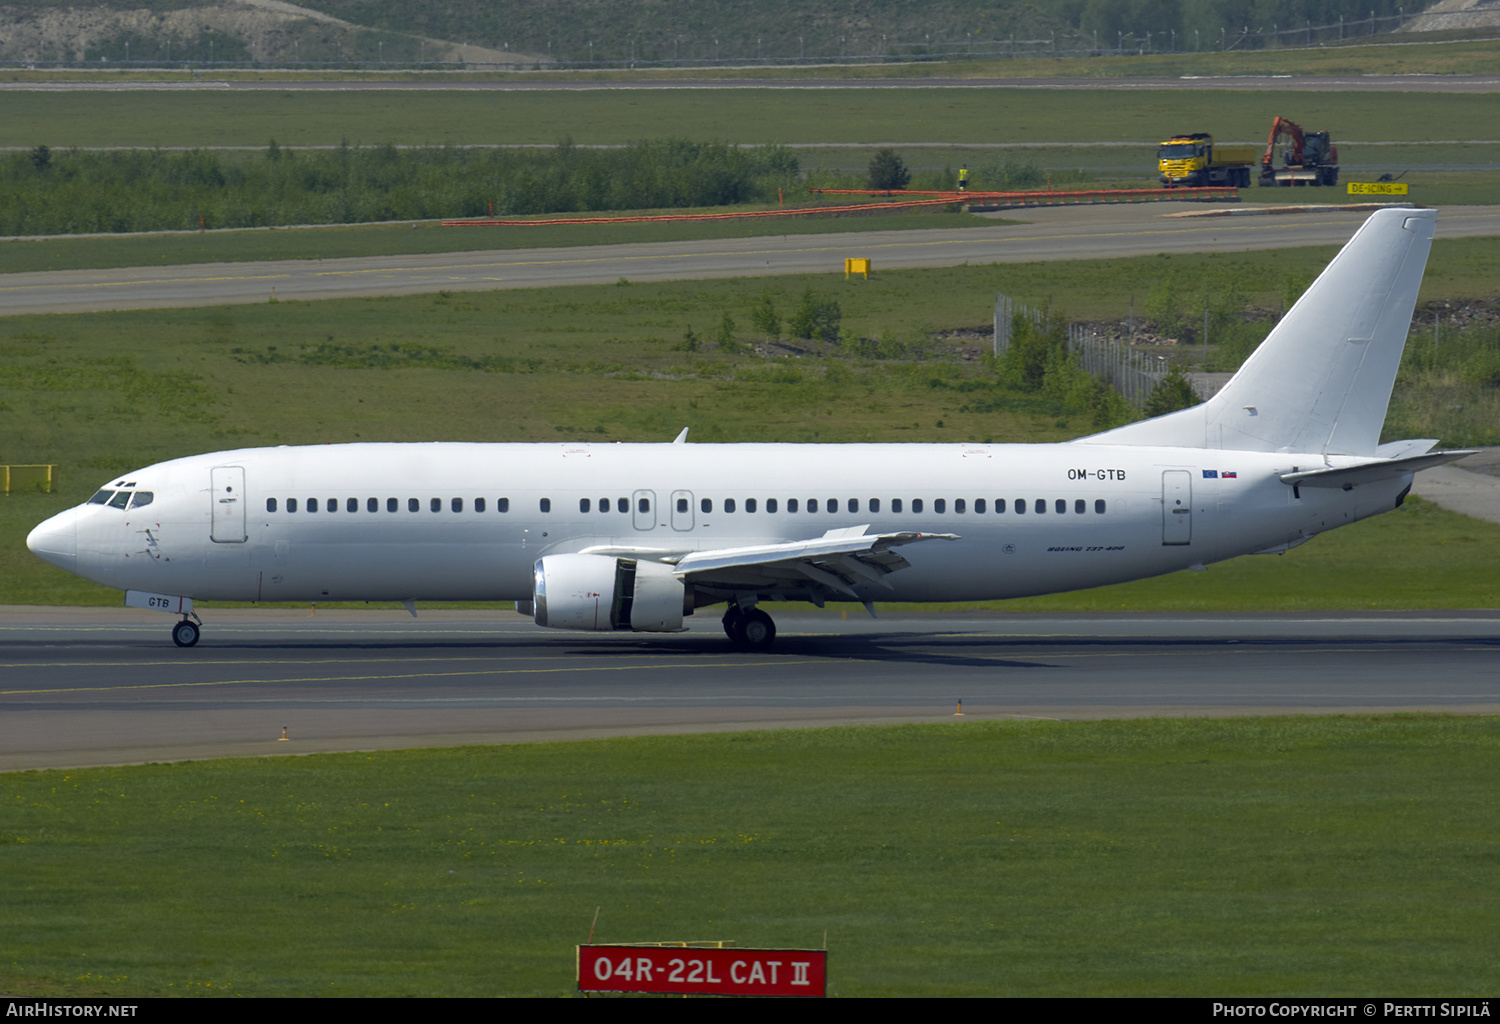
{"x":1132,"y":374}
{"x":667,"y":49}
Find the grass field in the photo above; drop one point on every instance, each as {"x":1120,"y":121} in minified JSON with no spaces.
{"x":867,"y":116}
{"x":1167,"y":857}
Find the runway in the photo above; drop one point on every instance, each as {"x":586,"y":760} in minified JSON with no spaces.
{"x":106,"y":686}
{"x":1057,"y":233}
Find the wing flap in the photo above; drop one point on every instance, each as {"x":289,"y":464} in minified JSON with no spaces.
{"x":836,"y":561}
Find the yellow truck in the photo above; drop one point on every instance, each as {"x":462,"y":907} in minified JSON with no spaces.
{"x":1189,"y":160}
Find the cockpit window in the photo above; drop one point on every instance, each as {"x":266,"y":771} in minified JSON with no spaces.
{"x":142,"y":498}
{"x":100,"y":498}
{"x":120,"y":500}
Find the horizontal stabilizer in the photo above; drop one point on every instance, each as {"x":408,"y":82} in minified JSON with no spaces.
{"x":1370,"y":472}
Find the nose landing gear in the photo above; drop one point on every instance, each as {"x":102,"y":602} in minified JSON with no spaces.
{"x":185,"y":633}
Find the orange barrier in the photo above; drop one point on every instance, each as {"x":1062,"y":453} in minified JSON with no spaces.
{"x":801,"y":211}
{"x":1117,"y":195}
{"x":1052,"y":198}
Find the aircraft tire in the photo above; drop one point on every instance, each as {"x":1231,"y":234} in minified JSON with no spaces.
{"x":733,"y":620}
{"x":757,"y":630}
{"x":185,"y":634}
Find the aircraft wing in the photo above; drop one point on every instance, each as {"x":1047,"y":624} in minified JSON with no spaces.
{"x":833,"y":562}
{"x":1369,"y":472}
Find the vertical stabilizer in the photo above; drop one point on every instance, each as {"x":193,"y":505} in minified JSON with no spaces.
{"x":1322,"y":380}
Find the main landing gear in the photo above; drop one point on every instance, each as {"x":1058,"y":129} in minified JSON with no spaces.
{"x":750,"y":629}
{"x":185,"y":633}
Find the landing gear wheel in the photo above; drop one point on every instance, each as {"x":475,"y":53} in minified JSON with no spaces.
{"x":733,"y":620}
{"x":756,"y":630}
{"x":185,"y":634}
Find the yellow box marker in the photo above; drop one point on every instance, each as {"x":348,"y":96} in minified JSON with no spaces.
{"x":857,"y":265}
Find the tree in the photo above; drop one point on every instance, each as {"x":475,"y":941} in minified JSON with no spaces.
{"x":817,"y":317}
{"x":887,"y":171}
{"x":1174,"y":392}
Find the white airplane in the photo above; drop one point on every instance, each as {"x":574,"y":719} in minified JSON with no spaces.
{"x":639,"y":536}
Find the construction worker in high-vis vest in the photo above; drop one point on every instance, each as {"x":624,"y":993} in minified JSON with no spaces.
{"x":963,"y":178}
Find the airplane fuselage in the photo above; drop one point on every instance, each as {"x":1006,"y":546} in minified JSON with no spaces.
{"x":395,"y":522}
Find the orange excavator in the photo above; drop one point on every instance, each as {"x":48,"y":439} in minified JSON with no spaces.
{"x":1310,"y":159}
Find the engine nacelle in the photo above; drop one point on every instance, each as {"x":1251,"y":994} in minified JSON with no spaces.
{"x":603,"y":593}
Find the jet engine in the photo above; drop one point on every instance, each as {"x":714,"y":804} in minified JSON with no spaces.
{"x":603,"y":593}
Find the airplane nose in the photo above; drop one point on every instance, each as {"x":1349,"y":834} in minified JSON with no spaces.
{"x":56,"y":540}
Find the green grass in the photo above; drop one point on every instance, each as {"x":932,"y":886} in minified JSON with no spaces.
{"x":1169,"y":857}
{"x":868,"y":116}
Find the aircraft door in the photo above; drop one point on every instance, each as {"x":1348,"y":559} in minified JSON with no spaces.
{"x":644,"y":505}
{"x":227,"y":503}
{"x":1176,"y":507}
{"x":682,"y":510}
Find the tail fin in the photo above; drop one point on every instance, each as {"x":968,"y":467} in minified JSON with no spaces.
{"x":1322,"y":380}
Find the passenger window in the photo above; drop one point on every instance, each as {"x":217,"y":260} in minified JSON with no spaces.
{"x":895,"y":504}
{"x":1099,"y":506}
{"x":833,"y":505}
{"x":770,"y":506}
{"x":351,"y":504}
{"x":1020,"y":506}
{"x":478,"y":504}
{"x":502,"y":504}
{"x":603,"y":504}
{"x":436,"y":504}
{"x":391,"y":505}
{"x":853,"y":504}
{"x":1041,"y":505}
{"x":1078,"y":507}
{"x":312,"y":504}
{"x":291,"y":504}
{"x":874,"y":504}
{"x":145,"y":498}
{"x":999,"y":505}
{"x":959,"y":505}
{"x":706,"y":505}
{"x":791,"y":504}
{"x":332,"y":504}
{"x":372,"y":504}
{"x":100,"y":497}
{"x":749,"y":504}
{"x":728,"y":505}
{"x":940,"y":505}
{"x":546,"y":505}
{"x":916,"y":504}
{"x":457,"y":504}
{"x":413,"y":505}
{"x":643,"y":504}
{"x":1060,"y":506}
{"x":979,"y":506}
{"x":120,"y":500}
{"x":584,"y":504}
{"x":812,"y":504}
{"x":270,"y":504}
{"x":622,"y":505}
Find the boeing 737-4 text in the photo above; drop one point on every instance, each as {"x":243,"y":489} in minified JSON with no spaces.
{"x":639,"y":536}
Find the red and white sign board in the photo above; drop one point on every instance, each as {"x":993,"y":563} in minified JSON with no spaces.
{"x":684,"y":969}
